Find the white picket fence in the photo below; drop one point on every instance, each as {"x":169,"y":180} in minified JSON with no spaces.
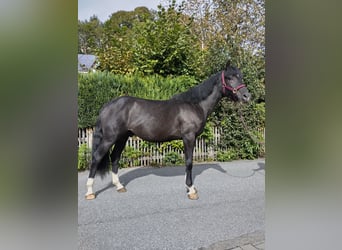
{"x":203,"y":151}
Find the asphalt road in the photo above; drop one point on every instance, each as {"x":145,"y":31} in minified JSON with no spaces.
{"x":155,"y":213}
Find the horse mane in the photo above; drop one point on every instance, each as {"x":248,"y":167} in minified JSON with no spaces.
{"x":198,"y":93}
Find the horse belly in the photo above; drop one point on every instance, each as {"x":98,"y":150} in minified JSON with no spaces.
{"x":156,"y":126}
{"x":156,"y":131}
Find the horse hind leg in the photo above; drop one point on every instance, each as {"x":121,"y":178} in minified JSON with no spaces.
{"x":100,"y":160}
{"x":90,"y":195}
{"x":115,"y":157}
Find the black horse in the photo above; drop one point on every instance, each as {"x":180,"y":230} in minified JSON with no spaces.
{"x":181,"y":117}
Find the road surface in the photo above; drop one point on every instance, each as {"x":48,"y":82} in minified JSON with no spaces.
{"x":155,"y":213}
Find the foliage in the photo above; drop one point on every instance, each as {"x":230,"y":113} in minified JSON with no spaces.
{"x":194,"y":38}
{"x":241,"y":126}
{"x":227,"y":29}
{"x":84,"y":157}
{"x":164,"y":45}
{"x":172,"y":159}
{"x":116,"y":55}
{"x":228,"y":155}
{"x":156,"y":54}
{"x":207,"y":133}
{"x":89,"y":35}
{"x":130,"y":157}
{"x":175,"y":145}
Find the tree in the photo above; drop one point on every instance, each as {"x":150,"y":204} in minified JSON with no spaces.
{"x":228,"y":29}
{"x":115,"y":54}
{"x":89,"y":35}
{"x":165,"y":45}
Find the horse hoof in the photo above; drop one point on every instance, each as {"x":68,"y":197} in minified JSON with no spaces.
{"x":90,"y":196}
{"x":122,"y":190}
{"x":193,"y":196}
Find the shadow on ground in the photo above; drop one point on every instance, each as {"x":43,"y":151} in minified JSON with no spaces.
{"x":127,"y":177}
{"x":261,"y":166}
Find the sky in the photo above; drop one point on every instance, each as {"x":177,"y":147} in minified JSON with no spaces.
{"x":104,"y":8}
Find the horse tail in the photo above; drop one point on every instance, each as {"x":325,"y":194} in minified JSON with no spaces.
{"x":102,"y":166}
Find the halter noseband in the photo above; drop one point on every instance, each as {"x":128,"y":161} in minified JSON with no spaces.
{"x":226,"y":86}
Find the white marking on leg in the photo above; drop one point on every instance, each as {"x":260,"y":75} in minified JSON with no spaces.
{"x":90,"y":183}
{"x":116,"y":181}
{"x":191,"y":189}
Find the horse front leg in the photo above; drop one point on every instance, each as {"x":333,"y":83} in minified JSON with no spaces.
{"x":189,"y":143}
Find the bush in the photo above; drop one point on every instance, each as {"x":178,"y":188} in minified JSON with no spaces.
{"x":240,"y":126}
{"x":84,"y":157}
{"x":229,"y":155}
{"x":130,"y":157}
{"x":173,"y":158}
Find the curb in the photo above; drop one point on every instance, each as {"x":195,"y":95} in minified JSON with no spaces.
{"x":250,"y":241}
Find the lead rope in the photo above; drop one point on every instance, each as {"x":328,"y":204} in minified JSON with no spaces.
{"x":253,"y":137}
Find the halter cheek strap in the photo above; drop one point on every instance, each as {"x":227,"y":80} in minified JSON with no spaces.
{"x":226,"y":86}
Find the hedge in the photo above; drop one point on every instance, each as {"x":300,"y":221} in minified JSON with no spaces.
{"x":241,"y":141}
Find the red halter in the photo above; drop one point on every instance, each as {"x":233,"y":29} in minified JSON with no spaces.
{"x":226,"y":86}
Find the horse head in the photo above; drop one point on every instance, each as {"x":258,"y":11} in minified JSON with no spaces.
{"x":232,"y":84}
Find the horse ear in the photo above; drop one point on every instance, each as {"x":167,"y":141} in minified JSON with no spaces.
{"x":228,"y":64}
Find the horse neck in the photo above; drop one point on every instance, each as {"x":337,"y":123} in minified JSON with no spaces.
{"x":208,"y":104}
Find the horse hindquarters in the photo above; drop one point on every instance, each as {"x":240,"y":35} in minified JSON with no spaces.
{"x":100,"y":152}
